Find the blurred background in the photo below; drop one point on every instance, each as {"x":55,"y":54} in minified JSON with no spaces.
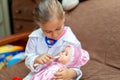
{"x":16,"y":16}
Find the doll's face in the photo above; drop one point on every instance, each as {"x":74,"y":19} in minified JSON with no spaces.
{"x":65,"y":55}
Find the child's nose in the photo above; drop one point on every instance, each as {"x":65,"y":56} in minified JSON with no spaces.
{"x":54,"y":35}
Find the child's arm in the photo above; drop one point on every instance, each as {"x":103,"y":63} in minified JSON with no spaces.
{"x":32,"y":57}
{"x":31,"y":54}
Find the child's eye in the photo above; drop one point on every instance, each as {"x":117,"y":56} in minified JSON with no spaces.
{"x":47,"y":31}
{"x":58,"y":29}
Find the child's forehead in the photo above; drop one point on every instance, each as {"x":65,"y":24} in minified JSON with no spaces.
{"x":52,"y":20}
{"x":52,"y":24}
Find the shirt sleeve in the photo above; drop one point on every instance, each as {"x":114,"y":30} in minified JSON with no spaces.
{"x":31,"y":55}
{"x":79,"y":73}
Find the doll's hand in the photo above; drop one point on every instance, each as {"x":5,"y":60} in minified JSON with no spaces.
{"x":62,"y":74}
{"x":43,"y":59}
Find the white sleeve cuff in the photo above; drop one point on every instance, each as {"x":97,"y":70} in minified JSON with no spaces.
{"x":79,"y":73}
{"x":30,"y":63}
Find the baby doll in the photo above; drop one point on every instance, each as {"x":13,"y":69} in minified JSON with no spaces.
{"x":70,"y":57}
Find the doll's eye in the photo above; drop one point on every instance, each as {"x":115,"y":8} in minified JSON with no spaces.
{"x":65,"y":54}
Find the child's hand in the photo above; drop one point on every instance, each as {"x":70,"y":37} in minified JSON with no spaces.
{"x":43,"y":59}
{"x":62,"y":74}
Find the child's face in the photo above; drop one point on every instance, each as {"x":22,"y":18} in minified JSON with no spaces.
{"x":65,"y":55}
{"x":53,"y":29}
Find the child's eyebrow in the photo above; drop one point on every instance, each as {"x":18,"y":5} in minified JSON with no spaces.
{"x":50,"y":30}
{"x":59,"y":27}
{"x":47,"y":31}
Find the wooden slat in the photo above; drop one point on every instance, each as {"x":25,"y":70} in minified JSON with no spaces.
{"x":14,"y":37}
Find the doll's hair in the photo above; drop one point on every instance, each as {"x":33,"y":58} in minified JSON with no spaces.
{"x":47,"y":10}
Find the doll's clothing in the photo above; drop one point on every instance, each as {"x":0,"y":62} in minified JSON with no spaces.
{"x":79,"y":57}
{"x":48,"y":72}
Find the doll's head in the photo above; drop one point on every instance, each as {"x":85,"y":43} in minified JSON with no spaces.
{"x":65,"y":55}
{"x":73,"y":56}
{"x":50,"y":16}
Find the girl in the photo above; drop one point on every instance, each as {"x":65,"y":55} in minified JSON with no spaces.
{"x":50,"y":39}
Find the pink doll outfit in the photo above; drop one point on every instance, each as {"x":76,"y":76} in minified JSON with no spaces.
{"x":48,"y":72}
{"x":79,"y":58}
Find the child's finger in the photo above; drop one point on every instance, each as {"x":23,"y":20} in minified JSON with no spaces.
{"x":59,"y":75}
{"x":47,"y":59}
{"x":61,"y":69}
{"x":53,"y":78}
{"x":49,"y":56}
{"x":42,"y":61}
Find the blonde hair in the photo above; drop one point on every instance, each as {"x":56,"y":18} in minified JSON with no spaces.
{"x":47,"y":10}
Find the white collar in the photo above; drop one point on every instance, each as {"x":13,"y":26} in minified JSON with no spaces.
{"x":37,"y":33}
{"x":68,"y":36}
